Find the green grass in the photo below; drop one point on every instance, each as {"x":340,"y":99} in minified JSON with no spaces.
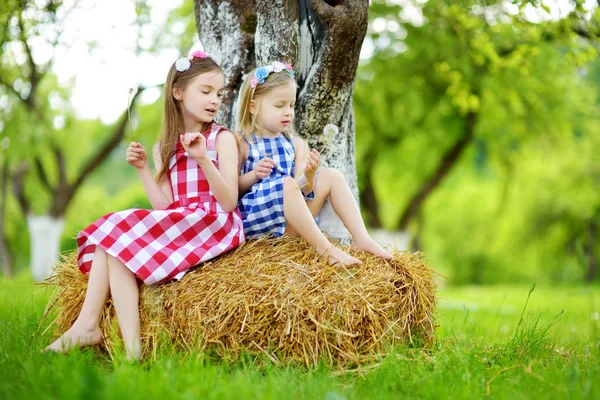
{"x":487,"y":345}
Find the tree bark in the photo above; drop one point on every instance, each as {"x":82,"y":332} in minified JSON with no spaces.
{"x":321,"y":38}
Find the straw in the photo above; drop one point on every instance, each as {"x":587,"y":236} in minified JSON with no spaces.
{"x":277,"y":298}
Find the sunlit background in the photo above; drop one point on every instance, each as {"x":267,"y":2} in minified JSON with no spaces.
{"x":477,"y":125}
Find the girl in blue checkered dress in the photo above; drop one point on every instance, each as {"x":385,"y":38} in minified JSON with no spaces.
{"x":278,"y":185}
{"x":263,"y":204}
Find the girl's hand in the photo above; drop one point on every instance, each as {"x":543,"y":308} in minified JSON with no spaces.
{"x":194,"y":144}
{"x":264,"y":168}
{"x":136,"y":155}
{"x":314,"y":158}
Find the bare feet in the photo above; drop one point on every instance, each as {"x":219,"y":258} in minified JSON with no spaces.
{"x":75,"y":337}
{"x":370,"y":246}
{"x":335,"y":256}
{"x":134,"y":352}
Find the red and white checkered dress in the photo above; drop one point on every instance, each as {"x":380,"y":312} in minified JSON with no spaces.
{"x":159,"y":245}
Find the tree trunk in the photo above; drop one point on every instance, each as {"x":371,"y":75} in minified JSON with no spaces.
{"x":368,"y":199}
{"x":321,"y":38}
{"x":45,"y":232}
{"x":5,"y":257}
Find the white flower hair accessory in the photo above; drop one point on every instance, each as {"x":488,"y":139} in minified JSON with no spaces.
{"x":184,"y":63}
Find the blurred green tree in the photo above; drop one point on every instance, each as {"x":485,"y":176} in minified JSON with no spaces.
{"x":40,"y":126}
{"x":471,"y":79}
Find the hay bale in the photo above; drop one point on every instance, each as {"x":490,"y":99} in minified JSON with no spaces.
{"x":274,"y":296}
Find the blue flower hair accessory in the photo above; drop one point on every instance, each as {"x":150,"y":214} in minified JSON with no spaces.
{"x":263,"y":72}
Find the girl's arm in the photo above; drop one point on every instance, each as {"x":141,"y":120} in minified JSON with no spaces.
{"x":165,"y":185}
{"x":305,"y":165}
{"x":248,"y":179}
{"x":224,"y":180}
{"x":263,"y":169}
{"x":159,"y":196}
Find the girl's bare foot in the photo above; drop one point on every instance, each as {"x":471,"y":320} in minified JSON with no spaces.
{"x":134,"y":352}
{"x":335,"y":256}
{"x":370,"y":246}
{"x":75,"y":337}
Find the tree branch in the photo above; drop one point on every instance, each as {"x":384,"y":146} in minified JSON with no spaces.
{"x":10,"y":87}
{"x":66,"y":14}
{"x":60,"y":163}
{"x":34,"y":77}
{"x":103,"y":152}
{"x":42,"y":174}
{"x":448,"y":161}
{"x":19,"y":187}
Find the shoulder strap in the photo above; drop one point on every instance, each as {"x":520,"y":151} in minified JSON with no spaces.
{"x":211,"y":141}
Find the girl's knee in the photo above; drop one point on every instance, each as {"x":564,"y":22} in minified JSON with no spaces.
{"x":332,"y":175}
{"x":291,"y":188}
{"x":110,"y":260}
{"x":289,"y":182}
{"x":114,"y":262}
{"x":100,"y":255}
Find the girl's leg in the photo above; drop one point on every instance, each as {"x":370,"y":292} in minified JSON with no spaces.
{"x":331,"y":182}
{"x":125,"y":295}
{"x":301,"y":222}
{"x":85,"y":331}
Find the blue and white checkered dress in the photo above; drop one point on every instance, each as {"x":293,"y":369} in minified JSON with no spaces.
{"x":262,"y":206}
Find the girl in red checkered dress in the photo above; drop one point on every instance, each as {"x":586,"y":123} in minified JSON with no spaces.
{"x":195,"y":215}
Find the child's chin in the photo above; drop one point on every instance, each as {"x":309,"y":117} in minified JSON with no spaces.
{"x":206,"y":118}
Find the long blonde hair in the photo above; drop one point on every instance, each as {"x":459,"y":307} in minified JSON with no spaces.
{"x":246,"y":121}
{"x":173,"y":124}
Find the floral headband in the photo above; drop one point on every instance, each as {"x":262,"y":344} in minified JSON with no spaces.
{"x":184,"y":63}
{"x":263,"y":72}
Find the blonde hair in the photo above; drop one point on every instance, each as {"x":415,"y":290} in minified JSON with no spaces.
{"x":246,"y":121}
{"x":173,"y":120}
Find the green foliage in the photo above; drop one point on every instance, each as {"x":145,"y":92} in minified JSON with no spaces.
{"x":32,"y":123}
{"x":519,"y":201}
{"x":182,"y":29}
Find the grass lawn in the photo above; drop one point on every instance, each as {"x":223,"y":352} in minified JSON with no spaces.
{"x":483,"y":349}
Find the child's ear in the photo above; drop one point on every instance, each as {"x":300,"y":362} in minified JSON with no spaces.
{"x":178,"y":94}
{"x":252,"y":107}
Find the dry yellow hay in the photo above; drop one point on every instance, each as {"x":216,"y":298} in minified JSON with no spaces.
{"x":274,"y":296}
